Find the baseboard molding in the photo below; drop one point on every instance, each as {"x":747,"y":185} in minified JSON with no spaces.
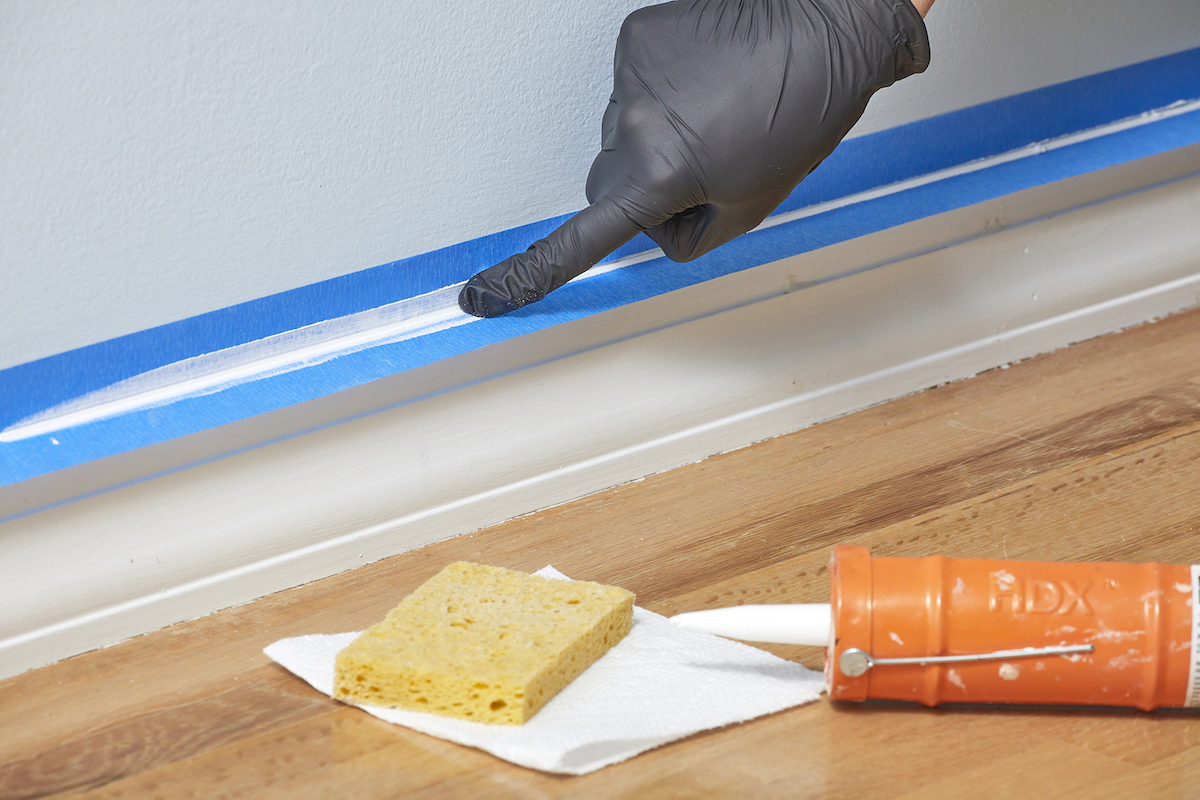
{"x":597,"y":402}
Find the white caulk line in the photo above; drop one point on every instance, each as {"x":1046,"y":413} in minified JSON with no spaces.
{"x":273,"y":355}
{"x":434,"y":311}
{"x":1037,"y":148}
{"x":620,"y":263}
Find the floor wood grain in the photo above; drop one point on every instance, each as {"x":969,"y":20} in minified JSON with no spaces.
{"x":1089,"y":453}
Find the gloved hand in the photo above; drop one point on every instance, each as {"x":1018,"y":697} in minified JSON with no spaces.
{"x":719,"y":108}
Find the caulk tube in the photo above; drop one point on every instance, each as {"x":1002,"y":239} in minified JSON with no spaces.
{"x":1132,"y":627}
{"x":937,"y":630}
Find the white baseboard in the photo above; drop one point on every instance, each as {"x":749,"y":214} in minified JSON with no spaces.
{"x":602,"y":401}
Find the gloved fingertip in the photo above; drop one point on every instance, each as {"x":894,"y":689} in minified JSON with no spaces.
{"x":479,"y":299}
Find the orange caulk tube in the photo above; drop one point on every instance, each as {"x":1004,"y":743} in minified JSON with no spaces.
{"x":938,"y":630}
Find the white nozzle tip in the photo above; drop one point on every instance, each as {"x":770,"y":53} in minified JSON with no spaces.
{"x":801,"y":623}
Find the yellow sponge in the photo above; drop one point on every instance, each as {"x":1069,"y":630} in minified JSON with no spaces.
{"x":483,"y":643}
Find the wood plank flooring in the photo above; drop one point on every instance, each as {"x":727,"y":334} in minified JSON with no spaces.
{"x":1089,"y":453}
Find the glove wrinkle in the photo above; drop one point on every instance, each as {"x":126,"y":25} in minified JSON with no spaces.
{"x":783,"y":86}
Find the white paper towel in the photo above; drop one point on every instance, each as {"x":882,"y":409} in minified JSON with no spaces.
{"x":658,"y":684}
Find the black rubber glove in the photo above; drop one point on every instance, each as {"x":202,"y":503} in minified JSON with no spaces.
{"x":719,"y":108}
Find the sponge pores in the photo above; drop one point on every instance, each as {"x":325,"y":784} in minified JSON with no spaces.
{"x":483,"y":643}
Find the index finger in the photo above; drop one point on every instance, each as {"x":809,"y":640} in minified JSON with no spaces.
{"x":572,"y":249}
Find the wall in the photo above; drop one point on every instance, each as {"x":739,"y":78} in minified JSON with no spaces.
{"x":163,"y":160}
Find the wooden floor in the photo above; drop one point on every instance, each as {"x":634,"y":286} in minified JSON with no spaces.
{"x":1090,"y":453}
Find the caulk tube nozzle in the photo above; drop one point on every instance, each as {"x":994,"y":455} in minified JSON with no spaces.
{"x":801,"y":623}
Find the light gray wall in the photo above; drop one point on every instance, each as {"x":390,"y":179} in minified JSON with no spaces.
{"x":160,"y":160}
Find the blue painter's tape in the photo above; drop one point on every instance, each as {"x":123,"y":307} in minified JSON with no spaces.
{"x":858,"y":165}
